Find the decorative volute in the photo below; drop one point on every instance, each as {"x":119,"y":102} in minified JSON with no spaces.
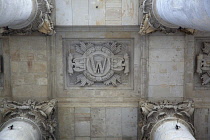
{"x":29,"y":120}
{"x":25,"y":16}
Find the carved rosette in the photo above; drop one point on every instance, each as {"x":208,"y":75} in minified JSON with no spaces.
{"x":152,"y":114}
{"x":42,"y":114}
{"x":42,"y":21}
{"x":203,"y":63}
{"x":98,"y":63}
{"x":150,"y":22}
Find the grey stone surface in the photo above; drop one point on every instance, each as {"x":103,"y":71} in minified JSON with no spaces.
{"x":98,"y":138}
{"x":82,"y":122}
{"x":129,"y":122}
{"x":98,"y":124}
{"x":82,"y":138}
{"x":166,"y":67}
{"x":201,"y":123}
{"x":66,"y":123}
{"x":113,"y":122}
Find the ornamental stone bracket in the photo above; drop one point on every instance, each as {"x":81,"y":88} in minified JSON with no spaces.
{"x":152,"y":22}
{"x":38,"y":115}
{"x":98,"y":63}
{"x":40,"y":19}
{"x":166,"y":120}
{"x":203,"y":63}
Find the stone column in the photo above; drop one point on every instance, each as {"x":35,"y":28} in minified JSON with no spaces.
{"x":26,"y":16}
{"x":20,"y":129}
{"x":166,"y":120}
{"x":29,"y":120}
{"x":194,"y":14}
{"x":17,"y":14}
{"x":172,"y":15}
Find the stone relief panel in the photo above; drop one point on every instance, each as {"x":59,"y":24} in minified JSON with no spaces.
{"x":202,"y":65}
{"x":97,"y":62}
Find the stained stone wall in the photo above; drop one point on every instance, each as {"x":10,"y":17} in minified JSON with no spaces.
{"x":98,"y":123}
{"x":29,"y":58}
{"x":166,"y":67}
{"x":97,"y":12}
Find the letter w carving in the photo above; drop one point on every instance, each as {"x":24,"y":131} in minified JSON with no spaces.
{"x":98,"y":67}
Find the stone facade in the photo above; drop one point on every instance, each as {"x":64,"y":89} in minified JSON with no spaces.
{"x":161,"y":66}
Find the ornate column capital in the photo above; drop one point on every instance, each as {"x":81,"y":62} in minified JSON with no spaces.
{"x":41,"y":20}
{"x":41,"y":114}
{"x":152,"y":22}
{"x":152,"y":115}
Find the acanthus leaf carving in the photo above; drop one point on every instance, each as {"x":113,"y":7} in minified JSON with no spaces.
{"x":41,"y":113}
{"x":42,"y":21}
{"x":98,"y":63}
{"x":152,"y":113}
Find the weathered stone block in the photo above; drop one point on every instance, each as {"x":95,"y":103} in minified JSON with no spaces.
{"x":66,"y":123}
{"x":201,"y":122}
{"x":129,"y":122}
{"x":114,"y":13}
{"x":82,"y":122}
{"x":113,"y":122}
{"x":82,"y":138}
{"x":98,"y":127}
{"x":30,"y":91}
{"x":37,"y":66}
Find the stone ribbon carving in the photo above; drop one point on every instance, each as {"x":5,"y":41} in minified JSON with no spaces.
{"x":153,"y":113}
{"x":98,"y":63}
{"x":203,"y":63}
{"x":41,"y":113}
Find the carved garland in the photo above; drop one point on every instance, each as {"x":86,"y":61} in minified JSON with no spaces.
{"x":42,"y":22}
{"x":152,"y":113}
{"x":42,"y":114}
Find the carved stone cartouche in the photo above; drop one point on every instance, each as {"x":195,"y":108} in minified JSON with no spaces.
{"x":98,"y":63}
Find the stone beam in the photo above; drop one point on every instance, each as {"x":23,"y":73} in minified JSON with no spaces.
{"x":25,"y":16}
{"x":166,"y":120}
{"x":29,"y":120}
{"x":170,"y":15}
